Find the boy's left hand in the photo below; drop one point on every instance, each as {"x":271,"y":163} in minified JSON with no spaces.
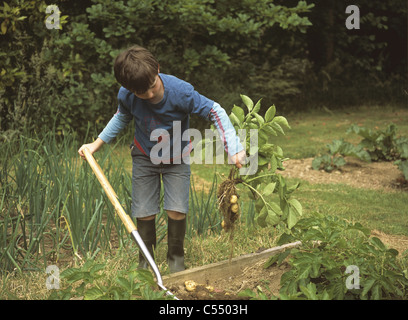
{"x":239,"y":159}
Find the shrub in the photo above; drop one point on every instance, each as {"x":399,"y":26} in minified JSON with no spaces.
{"x":64,"y":77}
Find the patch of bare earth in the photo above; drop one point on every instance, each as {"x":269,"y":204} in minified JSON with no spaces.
{"x":356,"y":173}
{"x":228,"y":288}
{"x":254,"y":276}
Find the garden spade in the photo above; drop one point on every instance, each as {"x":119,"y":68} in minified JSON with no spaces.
{"x":127,"y":221}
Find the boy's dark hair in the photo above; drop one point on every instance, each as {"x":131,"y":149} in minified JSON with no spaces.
{"x":136,"y":69}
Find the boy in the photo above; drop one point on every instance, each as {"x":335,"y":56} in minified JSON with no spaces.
{"x":156,"y":102}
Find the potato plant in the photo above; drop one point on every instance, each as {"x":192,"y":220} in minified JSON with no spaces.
{"x":376,"y":145}
{"x":381,"y":145}
{"x":385,"y":145}
{"x":337,"y":150}
{"x":281,"y":210}
{"x":330,"y":245}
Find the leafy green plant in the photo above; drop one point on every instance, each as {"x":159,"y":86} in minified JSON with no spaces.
{"x":283,"y":210}
{"x":91,"y":283}
{"x":318,"y":269}
{"x":402,"y":162}
{"x":403,"y":166}
{"x":380,"y":144}
{"x":334,"y":159}
{"x":258,"y":294}
{"x":385,"y":145}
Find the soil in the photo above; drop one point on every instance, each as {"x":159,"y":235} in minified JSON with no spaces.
{"x":252,"y":277}
{"x":356,"y":173}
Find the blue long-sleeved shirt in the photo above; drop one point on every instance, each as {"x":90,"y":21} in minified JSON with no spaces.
{"x":157,"y":123}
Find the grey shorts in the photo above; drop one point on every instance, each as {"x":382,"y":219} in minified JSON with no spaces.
{"x":147,"y":179}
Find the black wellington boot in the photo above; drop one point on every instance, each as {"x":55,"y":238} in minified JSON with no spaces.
{"x":175,"y":236}
{"x":147,"y":231}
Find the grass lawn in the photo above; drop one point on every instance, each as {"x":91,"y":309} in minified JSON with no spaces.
{"x":310,"y":132}
{"x":374,"y":209}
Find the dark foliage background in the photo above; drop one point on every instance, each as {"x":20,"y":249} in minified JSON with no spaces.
{"x":298,"y":55}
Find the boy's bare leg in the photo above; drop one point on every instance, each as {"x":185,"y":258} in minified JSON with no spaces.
{"x":147,"y":218}
{"x":175,"y":215}
{"x":172,"y":214}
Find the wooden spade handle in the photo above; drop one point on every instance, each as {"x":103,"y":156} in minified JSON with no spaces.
{"x":127,"y":221}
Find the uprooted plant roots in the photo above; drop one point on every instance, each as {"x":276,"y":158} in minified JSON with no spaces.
{"x":228,"y":203}
{"x":228,"y":200}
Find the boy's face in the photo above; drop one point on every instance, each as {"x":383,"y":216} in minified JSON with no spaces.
{"x":154,"y":94}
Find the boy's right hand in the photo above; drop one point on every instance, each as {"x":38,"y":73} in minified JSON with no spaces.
{"x":92,"y":147}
